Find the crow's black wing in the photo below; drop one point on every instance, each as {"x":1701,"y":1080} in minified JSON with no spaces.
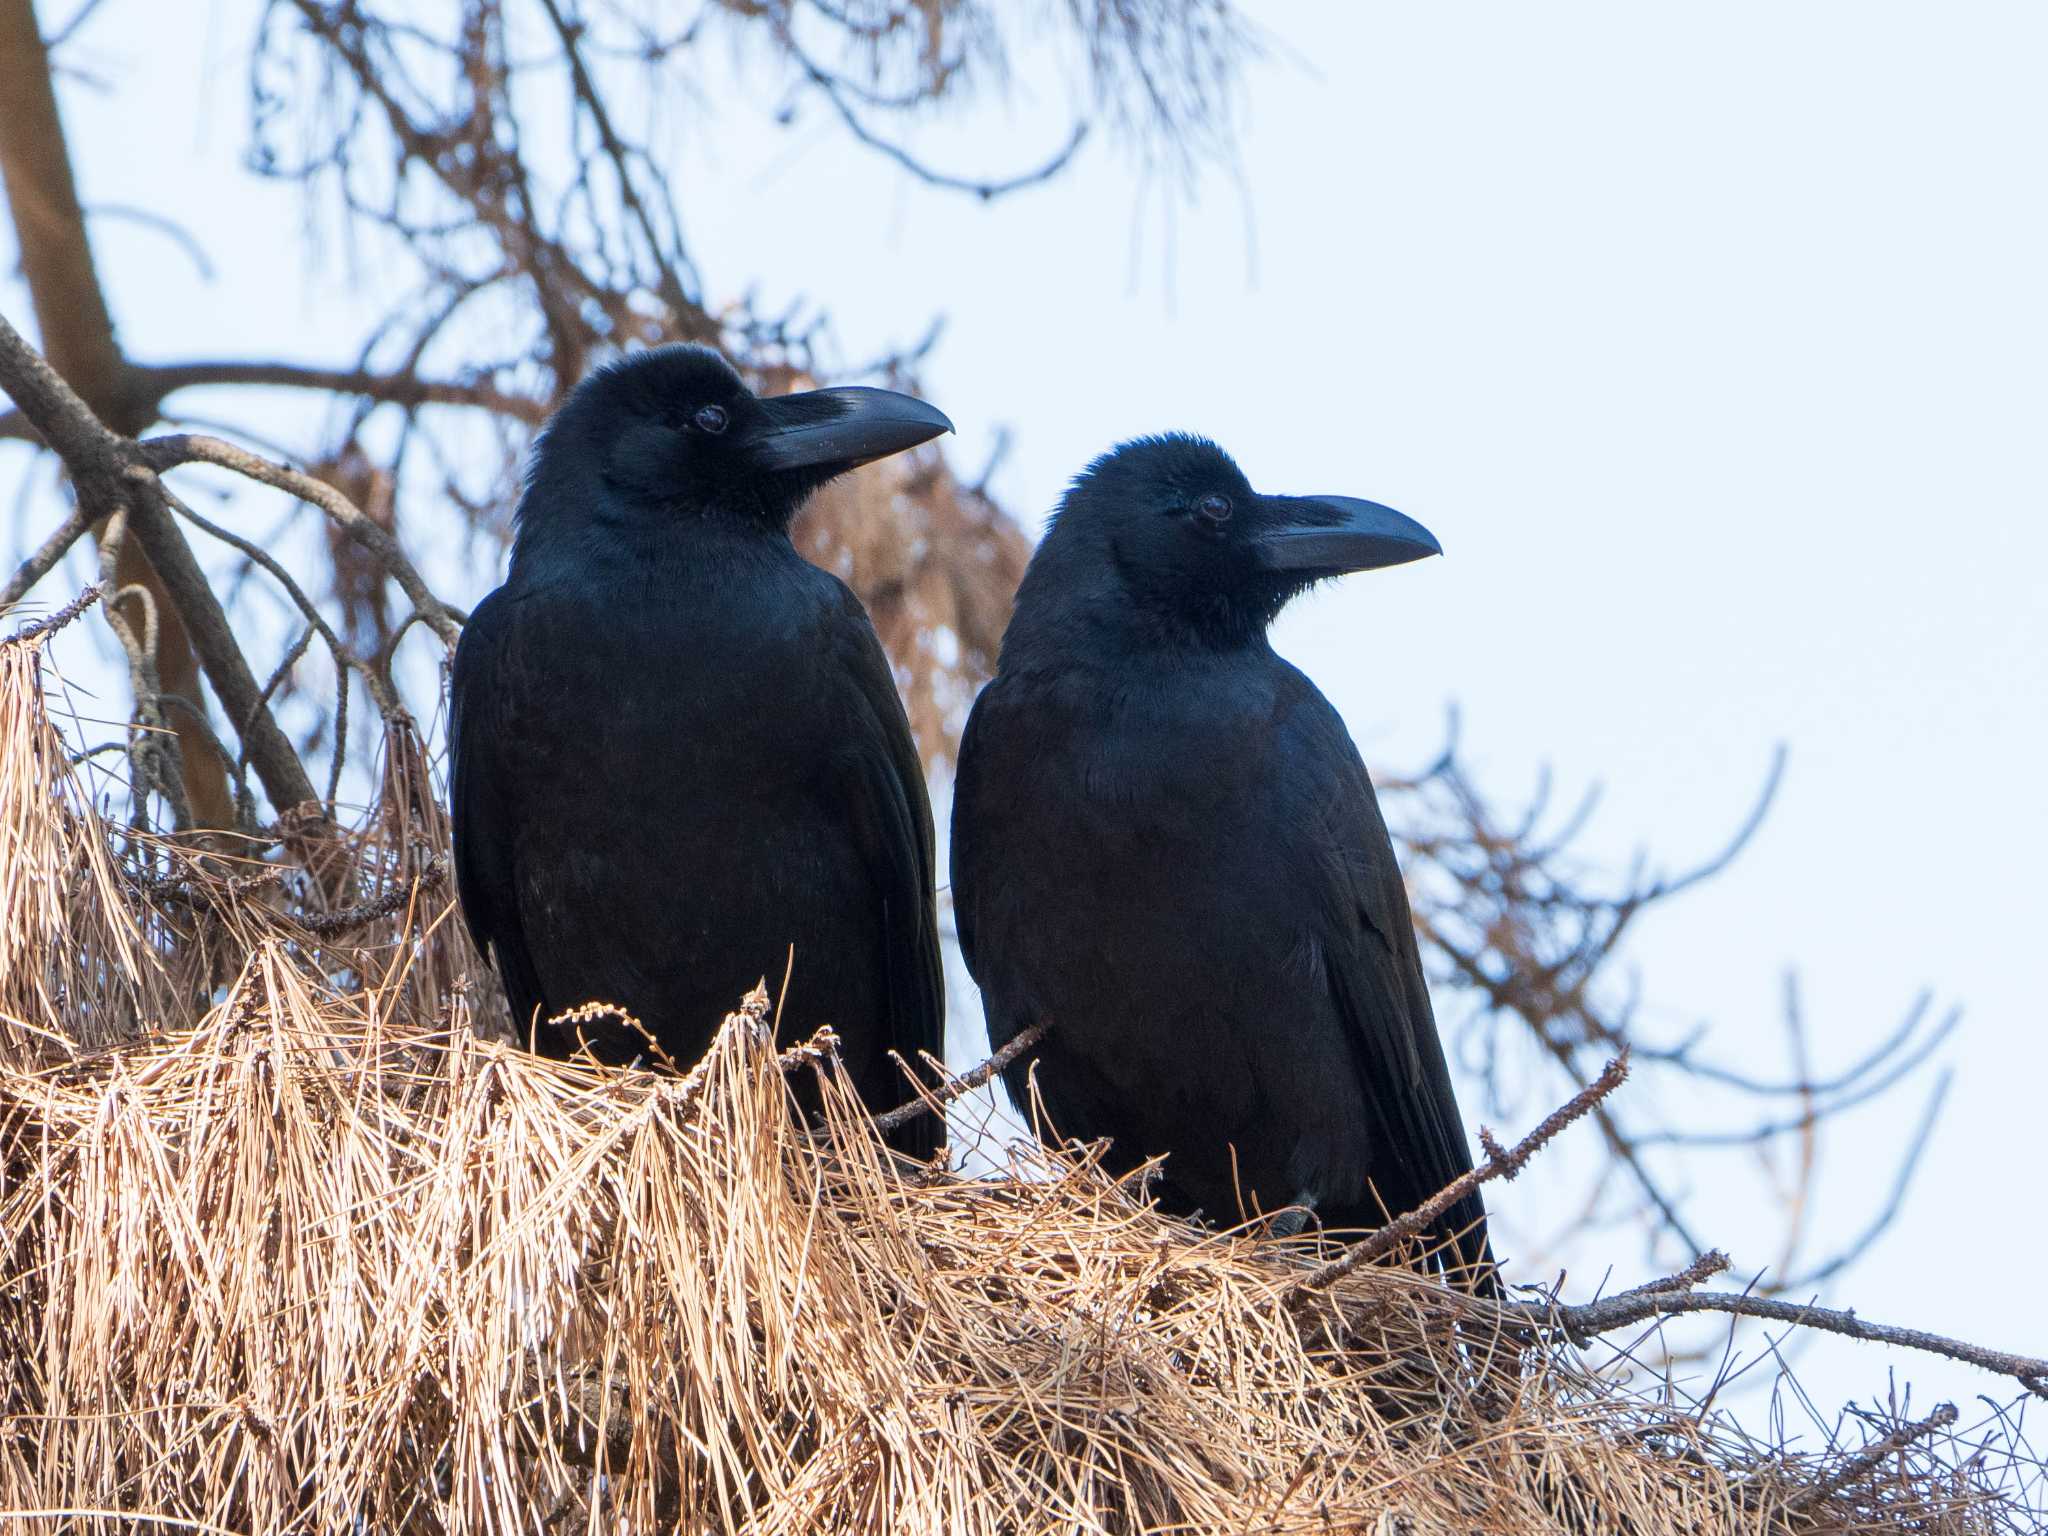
{"x":967,"y":811}
{"x":883,"y":780}
{"x":1374,"y":972}
{"x":481,"y":778}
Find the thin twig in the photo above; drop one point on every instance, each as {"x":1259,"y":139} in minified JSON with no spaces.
{"x":966,"y":1082}
{"x":682,"y":308}
{"x":1501,"y":1163}
{"x":1866,"y":1459}
{"x":236,"y":767}
{"x":44,"y":560}
{"x":169,"y":228}
{"x":402,"y":389}
{"x":1632,"y":1307}
{"x":1503,"y":995}
{"x":154,"y":757}
{"x":1879,"y":1224}
{"x":984,"y":188}
{"x":1698,"y":1272}
{"x":69,"y":29}
{"x":280,"y":672}
{"x":329,"y":925}
{"x":380,"y":688}
{"x":334,"y":766}
{"x":162,"y":453}
{"x":52,"y":622}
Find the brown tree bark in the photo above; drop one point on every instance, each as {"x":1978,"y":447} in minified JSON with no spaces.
{"x":77,"y":336}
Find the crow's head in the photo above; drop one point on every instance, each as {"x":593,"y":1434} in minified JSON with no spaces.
{"x":1168,"y":531}
{"x":674,"y":430}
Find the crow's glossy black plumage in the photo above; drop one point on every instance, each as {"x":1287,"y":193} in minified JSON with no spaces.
{"x":1166,"y":848}
{"x":678,"y":746}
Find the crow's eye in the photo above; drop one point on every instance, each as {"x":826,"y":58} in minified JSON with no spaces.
{"x":710,"y":418}
{"x":1213,"y":509}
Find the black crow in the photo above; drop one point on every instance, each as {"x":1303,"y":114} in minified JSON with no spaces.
{"x":1166,"y":848}
{"x":678,"y":746}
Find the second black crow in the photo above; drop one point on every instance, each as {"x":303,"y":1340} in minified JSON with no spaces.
{"x":1166,"y":848}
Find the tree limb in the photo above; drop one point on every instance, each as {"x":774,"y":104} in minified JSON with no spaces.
{"x":50,"y":623}
{"x":111,"y":472}
{"x":56,"y":256}
{"x":1501,"y":1163}
{"x":159,"y":380}
{"x":44,"y":560}
{"x":987,"y":189}
{"x":965,"y":1083}
{"x":161,"y":453}
{"x":1632,"y":1307}
{"x":1866,"y":1460}
{"x":76,"y":329}
{"x":145,"y":386}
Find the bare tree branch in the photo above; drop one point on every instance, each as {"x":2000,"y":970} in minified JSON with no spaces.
{"x":145,"y":387}
{"x":111,"y":473}
{"x":316,"y":622}
{"x":1865,"y":1461}
{"x":76,"y":328}
{"x":1633,"y":1307}
{"x":163,"y":453}
{"x":966,"y":1082}
{"x":160,"y":380}
{"x":1500,"y":1164}
{"x":52,"y":622}
{"x":1509,"y":918}
{"x":70,"y":29}
{"x":44,"y":560}
{"x":670,"y":287}
{"x":170,"y":229}
{"x":986,"y":189}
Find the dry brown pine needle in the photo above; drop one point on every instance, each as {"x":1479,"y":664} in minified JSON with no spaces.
{"x":319,"y":1255}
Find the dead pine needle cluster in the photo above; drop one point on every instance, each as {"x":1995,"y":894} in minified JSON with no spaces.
{"x":288,"y":1244}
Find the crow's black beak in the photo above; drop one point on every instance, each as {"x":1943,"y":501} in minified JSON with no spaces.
{"x":1328,"y":535}
{"x":841,"y":428}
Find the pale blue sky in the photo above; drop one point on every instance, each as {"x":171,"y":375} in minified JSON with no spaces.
{"x":1709,"y":341}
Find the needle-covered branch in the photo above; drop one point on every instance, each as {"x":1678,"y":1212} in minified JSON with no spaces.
{"x":1863,"y":1462}
{"x":52,"y":622}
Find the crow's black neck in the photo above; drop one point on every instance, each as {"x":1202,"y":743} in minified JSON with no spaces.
{"x":1080,"y":604}
{"x":608,"y":543}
